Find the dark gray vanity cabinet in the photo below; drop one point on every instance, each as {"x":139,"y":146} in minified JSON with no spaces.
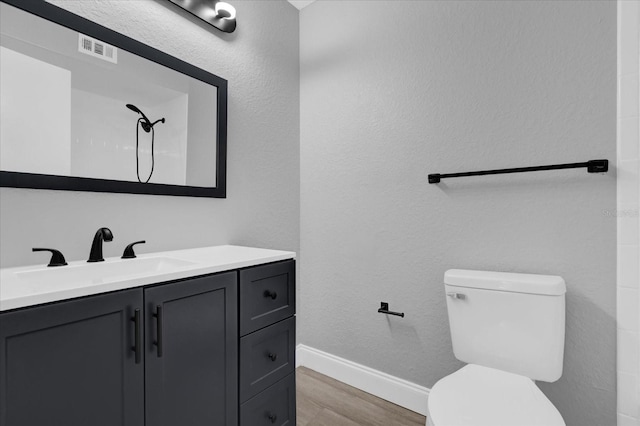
{"x":191,"y":365}
{"x":73,"y":363}
{"x":213,"y":350}
{"x":267,"y":345}
{"x":161,"y":355}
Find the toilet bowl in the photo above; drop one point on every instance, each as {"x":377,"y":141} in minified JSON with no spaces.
{"x":483,"y":396}
{"x":509,"y":329}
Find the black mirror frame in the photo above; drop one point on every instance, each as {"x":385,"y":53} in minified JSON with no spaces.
{"x":77,"y":23}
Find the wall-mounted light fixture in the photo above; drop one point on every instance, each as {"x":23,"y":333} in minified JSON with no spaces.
{"x":217,"y":13}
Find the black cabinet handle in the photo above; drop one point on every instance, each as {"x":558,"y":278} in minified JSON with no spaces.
{"x":272,"y":356}
{"x":128,"y":251}
{"x":138,"y":336}
{"x":158,"y":341}
{"x":57,"y":259}
{"x":271,"y":294}
{"x":272,"y":417}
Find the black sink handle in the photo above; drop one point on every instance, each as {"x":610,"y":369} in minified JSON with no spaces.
{"x":128,"y":251}
{"x":57,"y":258}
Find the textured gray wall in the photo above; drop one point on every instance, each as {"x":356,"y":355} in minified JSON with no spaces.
{"x":393,"y":91}
{"x":261,"y":62}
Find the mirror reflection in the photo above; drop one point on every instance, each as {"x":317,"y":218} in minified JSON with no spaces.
{"x":73,"y":105}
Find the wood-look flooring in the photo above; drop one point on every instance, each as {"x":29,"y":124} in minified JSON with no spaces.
{"x":323,"y":401}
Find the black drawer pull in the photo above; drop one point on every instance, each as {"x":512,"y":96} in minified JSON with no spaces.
{"x":158,"y":341}
{"x":137,"y":336}
{"x":271,"y":294}
{"x":272,"y":417}
{"x":272,"y":356}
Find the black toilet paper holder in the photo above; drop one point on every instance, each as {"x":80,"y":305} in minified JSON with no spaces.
{"x":384,"y":309}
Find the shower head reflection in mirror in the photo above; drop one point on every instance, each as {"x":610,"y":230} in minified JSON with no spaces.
{"x":147,"y":126}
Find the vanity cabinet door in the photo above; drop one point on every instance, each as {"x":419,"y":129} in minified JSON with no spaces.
{"x":73,"y":363}
{"x":191,"y":361}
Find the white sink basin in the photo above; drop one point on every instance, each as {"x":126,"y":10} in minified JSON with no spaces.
{"x":93,"y":273}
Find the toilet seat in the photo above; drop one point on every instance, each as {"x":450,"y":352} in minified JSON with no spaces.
{"x":483,"y":396}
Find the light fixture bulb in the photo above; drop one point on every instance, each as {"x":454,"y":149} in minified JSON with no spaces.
{"x":214,"y":12}
{"x":225,"y":11}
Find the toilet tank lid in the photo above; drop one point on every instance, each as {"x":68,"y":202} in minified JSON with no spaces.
{"x":552,"y":285}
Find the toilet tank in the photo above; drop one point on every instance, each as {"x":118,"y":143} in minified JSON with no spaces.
{"x":508,"y":321}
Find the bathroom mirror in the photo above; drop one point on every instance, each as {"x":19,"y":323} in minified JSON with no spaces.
{"x":88,"y":109}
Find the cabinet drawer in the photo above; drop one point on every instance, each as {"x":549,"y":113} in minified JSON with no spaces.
{"x":274,"y":406}
{"x":267,"y":295}
{"x":266,"y":356}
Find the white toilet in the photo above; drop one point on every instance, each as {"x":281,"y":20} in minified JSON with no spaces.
{"x":509,"y":328}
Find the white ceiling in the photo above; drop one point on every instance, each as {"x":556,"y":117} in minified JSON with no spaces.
{"x":299,"y":4}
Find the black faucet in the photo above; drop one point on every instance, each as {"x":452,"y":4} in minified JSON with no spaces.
{"x":103,"y":234}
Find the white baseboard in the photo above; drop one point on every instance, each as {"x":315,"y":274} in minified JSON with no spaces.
{"x":393,"y":389}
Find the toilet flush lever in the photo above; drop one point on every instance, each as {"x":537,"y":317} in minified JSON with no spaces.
{"x":454,"y":295}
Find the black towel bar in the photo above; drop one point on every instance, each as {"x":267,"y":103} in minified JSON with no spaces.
{"x":593,"y":166}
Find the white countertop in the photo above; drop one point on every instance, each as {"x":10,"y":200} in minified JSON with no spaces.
{"x":33,"y":285}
